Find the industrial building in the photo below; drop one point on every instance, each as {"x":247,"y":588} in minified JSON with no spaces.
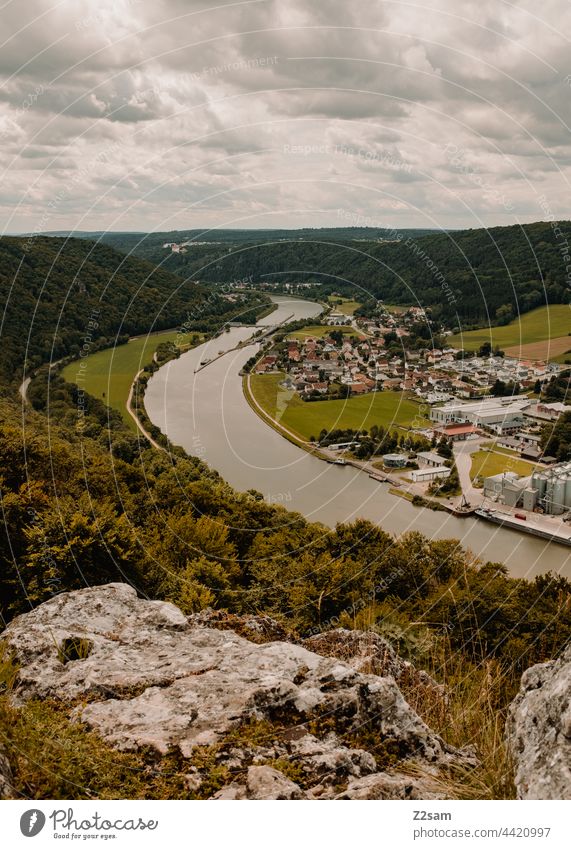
{"x":395,"y":461}
{"x":498,"y":415}
{"x":430,"y":473}
{"x":509,"y":489}
{"x":553,"y":488}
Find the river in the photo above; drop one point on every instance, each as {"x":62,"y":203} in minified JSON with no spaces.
{"x":208,"y":415}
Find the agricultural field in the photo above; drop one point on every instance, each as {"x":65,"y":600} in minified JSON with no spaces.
{"x":318,"y":331}
{"x":390,"y":409}
{"x":109,"y":374}
{"x":487,"y":463}
{"x":539,"y":334}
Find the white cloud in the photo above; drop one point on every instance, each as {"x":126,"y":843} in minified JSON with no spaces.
{"x":203,"y":108}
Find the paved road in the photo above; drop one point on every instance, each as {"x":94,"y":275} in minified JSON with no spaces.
{"x":463,"y":457}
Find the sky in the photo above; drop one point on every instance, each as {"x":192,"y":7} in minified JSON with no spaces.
{"x":175,"y":114}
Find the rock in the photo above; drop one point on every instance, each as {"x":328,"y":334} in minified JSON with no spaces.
{"x":6,"y":788}
{"x":368,"y":652}
{"x":390,"y":786}
{"x":539,"y":731}
{"x":365,"y":651}
{"x":264,"y":782}
{"x":328,"y":762}
{"x":257,"y":629}
{"x":152,"y":678}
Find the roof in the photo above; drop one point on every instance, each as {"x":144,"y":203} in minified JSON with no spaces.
{"x":430,"y":457}
{"x":456,"y":428}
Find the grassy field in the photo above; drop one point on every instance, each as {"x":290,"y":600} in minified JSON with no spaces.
{"x":487,"y":463}
{"x":540,"y":325}
{"x":307,"y":419}
{"x":320,"y":330}
{"x":347,"y":307}
{"x":108,"y":374}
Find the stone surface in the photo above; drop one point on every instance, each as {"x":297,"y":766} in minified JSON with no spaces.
{"x":264,"y":782}
{"x":539,"y":731}
{"x":141,"y":674}
{"x":391,"y":786}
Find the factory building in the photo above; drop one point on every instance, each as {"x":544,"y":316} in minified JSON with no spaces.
{"x":499,"y":415}
{"x":509,"y":489}
{"x":430,"y":473}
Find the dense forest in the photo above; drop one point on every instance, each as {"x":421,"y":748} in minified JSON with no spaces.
{"x":65,"y":295}
{"x":467,"y":277}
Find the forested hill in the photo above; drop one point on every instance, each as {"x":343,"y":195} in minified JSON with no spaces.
{"x":464,"y":275}
{"x":62,"y":294}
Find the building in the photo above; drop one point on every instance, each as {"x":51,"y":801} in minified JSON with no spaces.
{"x":498,"y":414}
{"x":553,"y":488}
{"x":510,"y":489}
{"x":455,"y":432}
{"x":430,"y":473}
{"x":429,"y":458}
{"x":395,"y":461}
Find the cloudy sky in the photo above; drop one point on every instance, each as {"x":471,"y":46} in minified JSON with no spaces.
{"x":165,"y":114}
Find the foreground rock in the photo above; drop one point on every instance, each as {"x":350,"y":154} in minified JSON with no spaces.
{"x":142,"y":675}
{"x":539,"y":731}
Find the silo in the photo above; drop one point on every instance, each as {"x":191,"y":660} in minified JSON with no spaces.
{"x":568,"y":489}
{"x":558,"y":496}
{"x":539,"y":480}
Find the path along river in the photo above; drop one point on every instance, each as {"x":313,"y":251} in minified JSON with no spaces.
{"x":209,"y":416}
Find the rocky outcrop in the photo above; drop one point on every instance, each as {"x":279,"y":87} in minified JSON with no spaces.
{"x":539,"y":731}
{"x":141,"y":674}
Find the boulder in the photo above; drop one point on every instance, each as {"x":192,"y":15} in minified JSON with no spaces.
{"x":539,"y":731}
{"x":141,"y":674}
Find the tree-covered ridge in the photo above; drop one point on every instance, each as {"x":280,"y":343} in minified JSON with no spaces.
{"x":467,"y":277}
{"x":65,"y":295}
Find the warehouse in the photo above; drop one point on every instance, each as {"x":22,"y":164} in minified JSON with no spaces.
{"x":429,"y":458}
{"x":431,"y":473}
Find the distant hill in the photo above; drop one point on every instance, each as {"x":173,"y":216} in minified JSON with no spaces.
{"x":468,"y":277}
{"x":60,"y":295}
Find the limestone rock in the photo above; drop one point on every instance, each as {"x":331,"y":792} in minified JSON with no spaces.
{"x":141,"y":674}
{"x":392,"y":786}
{"x":539,"y":731}
{"x":264,"y":782}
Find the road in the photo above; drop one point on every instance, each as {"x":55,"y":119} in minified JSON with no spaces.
{"x":147,"y":436}
{"x":463,"y":458}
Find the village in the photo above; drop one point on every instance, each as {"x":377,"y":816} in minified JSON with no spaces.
{"x":471,"y":404}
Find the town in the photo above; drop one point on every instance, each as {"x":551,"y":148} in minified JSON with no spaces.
{"x":481,"y":436}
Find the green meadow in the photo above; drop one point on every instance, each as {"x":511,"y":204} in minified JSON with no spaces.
{"x":389,"y":409}
{"x":109,"y":374}
{"x":539,"y":325}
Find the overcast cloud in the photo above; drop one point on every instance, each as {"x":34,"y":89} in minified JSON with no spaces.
{"x":132,"y":115}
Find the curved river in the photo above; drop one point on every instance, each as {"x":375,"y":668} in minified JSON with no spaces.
{"x":209,"y":416}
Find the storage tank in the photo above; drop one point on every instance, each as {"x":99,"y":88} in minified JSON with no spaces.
{"x":538,"y":481}
{"x":558,"y":496}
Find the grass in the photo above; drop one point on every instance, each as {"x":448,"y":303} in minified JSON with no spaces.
{"x":488,"y":463}
{"x":540,"y":325}
{"x":319,"y":331}
{"x":347,"y":307}
{"x":109,"y":374}
{"x":390,"y":409}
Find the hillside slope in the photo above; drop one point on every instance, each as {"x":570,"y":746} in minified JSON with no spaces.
{"x":465,"y":276}
{"x":61,"y":296}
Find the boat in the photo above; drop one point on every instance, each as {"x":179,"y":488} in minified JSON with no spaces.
{"x":517,"y":524}
{"x":340,"y":461}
